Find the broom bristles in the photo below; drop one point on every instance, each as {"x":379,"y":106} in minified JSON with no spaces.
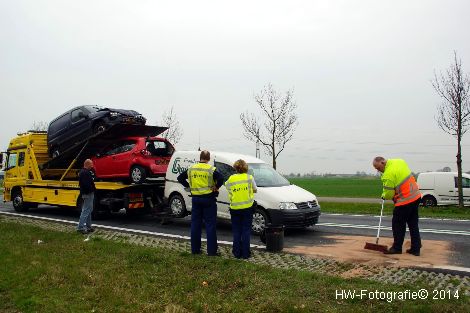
{"x":376,"y":247}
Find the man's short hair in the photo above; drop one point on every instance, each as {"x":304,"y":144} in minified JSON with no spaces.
{"x":205,"y":155}
{"x":379,"y":159}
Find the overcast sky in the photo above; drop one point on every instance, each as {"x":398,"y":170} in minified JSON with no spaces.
{"x":360,"y":71}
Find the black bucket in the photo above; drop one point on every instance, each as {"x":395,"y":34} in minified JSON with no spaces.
{"x":273,"y":237}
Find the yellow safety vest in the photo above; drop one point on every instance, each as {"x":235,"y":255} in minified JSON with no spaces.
{"x":240,"y":191}
{"x":399,"y":183}
{"x":201,"y":179}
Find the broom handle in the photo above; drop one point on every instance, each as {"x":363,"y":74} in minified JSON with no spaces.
{"x":380,"y":222}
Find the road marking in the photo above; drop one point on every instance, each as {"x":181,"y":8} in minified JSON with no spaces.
{"x":128,"y":230}
{"x":422,"y":230}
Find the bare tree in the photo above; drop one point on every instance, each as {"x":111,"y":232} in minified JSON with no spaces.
{"x":280,"y":121}
{"x":39,"y":126}
{"x":174,"y":132}
{"x":453,"y":114}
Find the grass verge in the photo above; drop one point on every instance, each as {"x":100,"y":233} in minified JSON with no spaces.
{"x":65,"y":274}
{"x":354,"y":187}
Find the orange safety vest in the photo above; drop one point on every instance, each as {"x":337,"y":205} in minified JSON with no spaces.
{"x":407,"y":191}
{"x":398,"y":183}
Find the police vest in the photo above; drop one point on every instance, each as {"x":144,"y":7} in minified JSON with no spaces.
{"x":201,"y":179}
{"x":240,"y":191}
{"x":399,"y":183}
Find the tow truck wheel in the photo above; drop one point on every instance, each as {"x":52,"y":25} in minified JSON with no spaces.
{"x":138,"y":174}
{"x":260,"y":219}
{"x":18,"y":204}
{"x":177,"y":206}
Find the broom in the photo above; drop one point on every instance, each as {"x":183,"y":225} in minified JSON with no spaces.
{"x":375,"y":246}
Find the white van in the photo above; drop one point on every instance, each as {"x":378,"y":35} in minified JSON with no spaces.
{"x":440,"y":188}
{"x":279,"y":202}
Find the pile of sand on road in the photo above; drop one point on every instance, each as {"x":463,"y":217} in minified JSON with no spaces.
{"x":351,"y":249}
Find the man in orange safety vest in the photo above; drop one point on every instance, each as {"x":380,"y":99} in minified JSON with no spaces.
{"x":400,"y":186}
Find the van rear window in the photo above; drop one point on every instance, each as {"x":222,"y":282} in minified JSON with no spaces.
{"x":465,"y":182}
{"x":59,"y":124}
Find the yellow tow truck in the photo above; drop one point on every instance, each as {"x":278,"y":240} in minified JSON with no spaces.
{"x":32,"y":177}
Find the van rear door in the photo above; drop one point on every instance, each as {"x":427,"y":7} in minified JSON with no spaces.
{"x":445,"y":188}
{"x":465,"y":189}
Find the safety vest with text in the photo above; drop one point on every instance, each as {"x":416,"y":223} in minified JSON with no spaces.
{"x":398,"y":183}
{"x":201,"y":179}
{"x":240,"y":191}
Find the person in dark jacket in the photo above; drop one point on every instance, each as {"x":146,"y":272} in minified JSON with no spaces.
{"x":204,"y":183}
{"x":87,"y":192}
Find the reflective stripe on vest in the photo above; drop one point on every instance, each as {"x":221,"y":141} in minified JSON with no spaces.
{"x":407,"y":191}
{"x":240,"y":191}
{"x":201,"y":179}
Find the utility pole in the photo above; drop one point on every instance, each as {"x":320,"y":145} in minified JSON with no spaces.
{"x":199,"y":149}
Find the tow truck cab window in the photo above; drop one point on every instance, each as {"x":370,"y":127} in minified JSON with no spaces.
{"x":21,"y":159}
{"x":11,"y":160}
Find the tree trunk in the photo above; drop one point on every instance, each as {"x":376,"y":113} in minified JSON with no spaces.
{"x":274,"y":157}
{"x":459,"y":172}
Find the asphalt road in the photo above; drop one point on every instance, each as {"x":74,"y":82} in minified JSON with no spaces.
{"x":457,"y":232}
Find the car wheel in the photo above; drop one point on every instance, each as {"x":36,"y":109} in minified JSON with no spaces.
{"x":99,"y":127}
{"x":138,"y":174}
{"x":18,"y":204}
{"x":260,"y":219}
{"x":429,"y":201}
{"x":177,"y":206}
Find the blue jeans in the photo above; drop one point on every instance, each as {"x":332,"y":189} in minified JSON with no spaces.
{"x":203,"y":210}
{"x":87,"y":208}
{"x":241,"y":229}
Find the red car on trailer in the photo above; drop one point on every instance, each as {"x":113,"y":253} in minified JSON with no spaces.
{"x":134,"y":159}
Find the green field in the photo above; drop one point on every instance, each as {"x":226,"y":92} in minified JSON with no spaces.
{"x":354,"y":187}
{"x":365,"y":187}
{"x":66,"y":274}
{"x":374,"y":209}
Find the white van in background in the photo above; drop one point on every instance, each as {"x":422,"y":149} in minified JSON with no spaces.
{"x":279,"y":202}
{"x":440,"y":188}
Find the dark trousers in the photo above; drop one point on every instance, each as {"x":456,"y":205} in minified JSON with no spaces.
{"x":204,"y":210}
{"x":402,"y":215}
{"x":241,"y":229}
